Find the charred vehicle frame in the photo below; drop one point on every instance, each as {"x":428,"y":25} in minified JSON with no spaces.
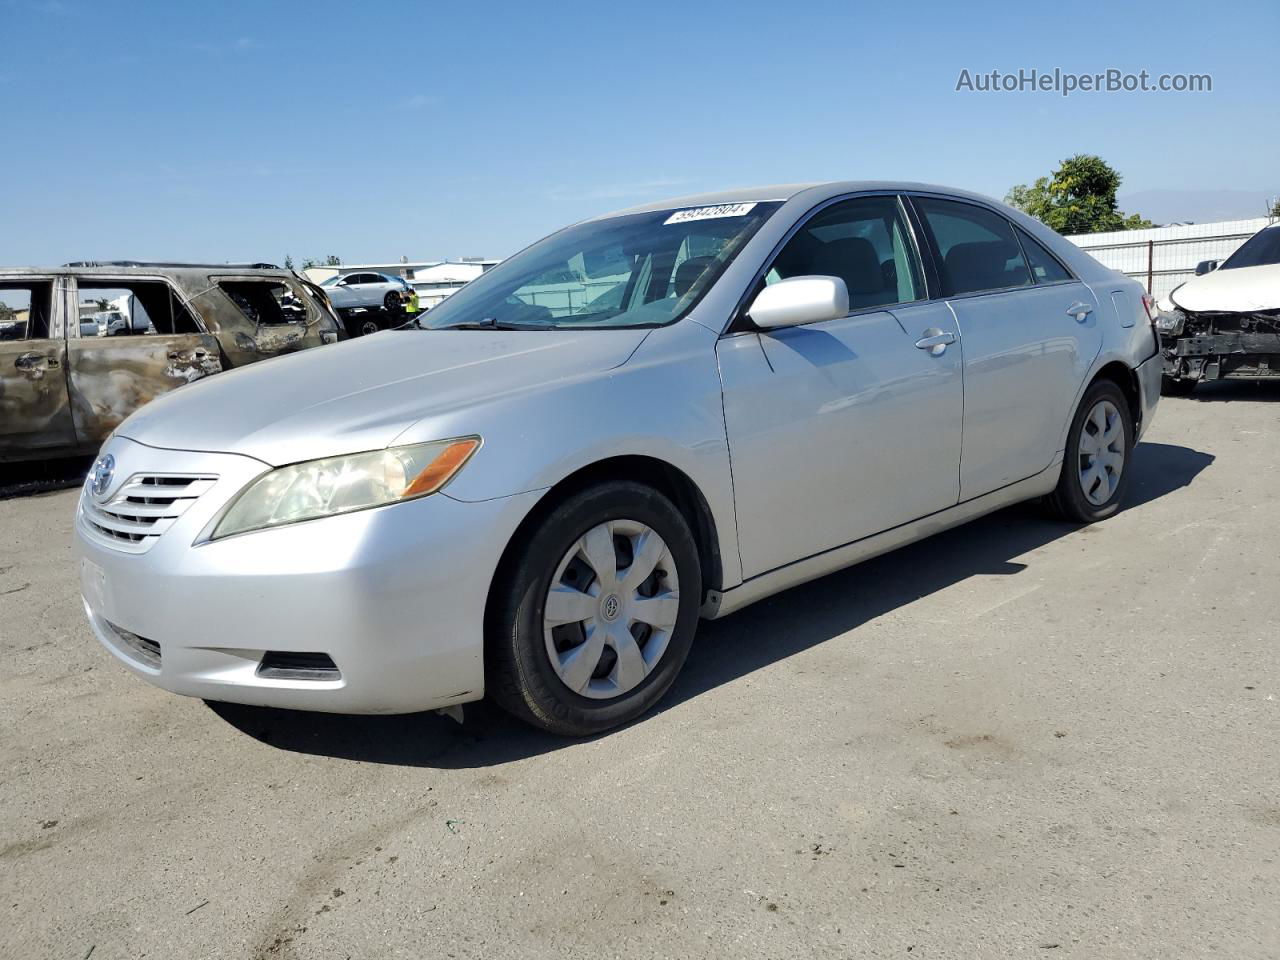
{"x":74,"y":362}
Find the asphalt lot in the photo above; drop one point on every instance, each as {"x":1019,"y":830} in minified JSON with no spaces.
{"x":1016,"y":739}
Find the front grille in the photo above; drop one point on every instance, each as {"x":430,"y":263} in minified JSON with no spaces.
{"x":144,"y":507}
{"x":285,"y":665}
{"x":148,"y":651}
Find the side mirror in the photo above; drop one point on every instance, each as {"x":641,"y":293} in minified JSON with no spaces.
{"x":800,"y":300}
{"x":1206,"y":266}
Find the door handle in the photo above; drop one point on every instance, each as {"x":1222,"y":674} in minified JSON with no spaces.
{"x":935,"y":341}
{"x":1080,"y":310}
{"x":32,"y":361}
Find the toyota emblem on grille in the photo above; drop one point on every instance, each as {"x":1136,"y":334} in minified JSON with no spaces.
{"x":104,"y":468}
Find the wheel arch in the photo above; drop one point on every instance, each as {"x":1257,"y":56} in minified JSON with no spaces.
{"x":662,"y":476}
{"x":1126,"y":378}
{"x":1118,"y":371}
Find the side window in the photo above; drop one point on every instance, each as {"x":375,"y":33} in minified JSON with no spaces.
{"x":865,"y":243}
{"x":1044,"y":267}
{"x":265,"y":301}
{"x":977,"y":247}
{"x":24,"y":309}
{"x":129,"y":308}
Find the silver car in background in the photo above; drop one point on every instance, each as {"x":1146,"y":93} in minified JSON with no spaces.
{"x":668,"y":413}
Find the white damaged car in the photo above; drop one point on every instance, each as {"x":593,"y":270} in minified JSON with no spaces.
{"x":1225,"y":323}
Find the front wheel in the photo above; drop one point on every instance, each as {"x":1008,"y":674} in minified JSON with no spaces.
{"x":593,"y":615}
{"x":1095,"y":471}
{"x":392,"y":302}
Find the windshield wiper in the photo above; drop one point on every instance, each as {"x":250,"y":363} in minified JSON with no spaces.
{"x":493,"y":323}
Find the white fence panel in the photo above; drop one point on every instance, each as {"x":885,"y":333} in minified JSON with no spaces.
{"x":1163,"y":257}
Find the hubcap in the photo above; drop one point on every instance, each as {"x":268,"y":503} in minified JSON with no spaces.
{"x":611,"y":608}
{"x":1101,"y":450}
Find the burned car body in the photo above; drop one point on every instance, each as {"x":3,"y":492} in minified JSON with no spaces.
{"x":1225,"y":323}
{"x":84,"y":345}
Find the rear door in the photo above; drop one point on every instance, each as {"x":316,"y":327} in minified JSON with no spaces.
{"x":35,"y":410}
{"x":278,"y":311}
{"x":156,"y":346}
{"x":1030,"y":333}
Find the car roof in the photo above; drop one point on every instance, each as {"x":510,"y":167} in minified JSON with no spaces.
{"x":817,"y":192}
{"x":141,"y":268}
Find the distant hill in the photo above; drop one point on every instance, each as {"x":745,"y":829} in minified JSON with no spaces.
{"x":1198,"y":206}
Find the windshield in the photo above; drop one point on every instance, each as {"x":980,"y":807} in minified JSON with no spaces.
{"x":638,"y":270}
{"x":1260,"y":250}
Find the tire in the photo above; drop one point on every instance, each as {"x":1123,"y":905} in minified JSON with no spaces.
{"x":1090,"y":489}
{"x":1170,"y":387}
{"x":391,"y":302}
{"x":367,"y":326}
{"x":521,"y":642}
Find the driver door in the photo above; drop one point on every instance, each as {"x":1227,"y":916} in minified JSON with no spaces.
{"x":843,"y":429}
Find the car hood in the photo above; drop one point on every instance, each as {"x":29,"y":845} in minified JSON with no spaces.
{"x":1237,"y":290}
{"x":361,"y":394}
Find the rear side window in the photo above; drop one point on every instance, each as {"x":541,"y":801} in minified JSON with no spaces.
{"x":265,"y":301}
{"x":24,"y":309}
{"x":1044,"y":267}
{"x":127,"y":308}
{"x":977,"y":248}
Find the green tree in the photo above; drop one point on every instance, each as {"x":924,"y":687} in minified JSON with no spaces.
{"x":1079,"y":197}
{"x":1275,"y":208}
{"x":103,"y":304}
{"x":288,"y":262}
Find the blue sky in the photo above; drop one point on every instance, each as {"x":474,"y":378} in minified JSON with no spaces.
{"x":251,"y":130}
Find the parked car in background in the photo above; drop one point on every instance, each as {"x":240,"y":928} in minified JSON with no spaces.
{"x":537,"y":488}
{"x":1225,"y":323}
{"x":70,"y":371}
{"x":368,"y":301}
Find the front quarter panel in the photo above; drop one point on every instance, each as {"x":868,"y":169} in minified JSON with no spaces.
{"x":664,"y":402}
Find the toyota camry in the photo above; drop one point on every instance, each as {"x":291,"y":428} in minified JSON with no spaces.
{"x":535,"y":491}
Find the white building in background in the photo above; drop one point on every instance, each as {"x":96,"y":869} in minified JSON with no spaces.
{"x":1163,"y":257}
{"x":433,"y":279}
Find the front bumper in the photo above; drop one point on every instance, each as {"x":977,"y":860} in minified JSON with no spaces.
{"x":1223,"y":356}
{"x":394,"y":596}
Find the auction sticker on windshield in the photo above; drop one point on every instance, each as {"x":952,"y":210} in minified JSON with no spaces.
{"x":710,"y":213}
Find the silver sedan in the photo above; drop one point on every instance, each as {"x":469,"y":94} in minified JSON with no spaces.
{"x":654,"y":416}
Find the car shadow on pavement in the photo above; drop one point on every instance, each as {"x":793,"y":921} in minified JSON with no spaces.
{"x":1247,"y":391}
{"x":724,"y":650}
{"x":28,"y":477}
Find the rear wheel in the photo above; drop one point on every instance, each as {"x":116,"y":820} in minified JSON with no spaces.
{"x":1095,"y":471}
{"x":366,"y":327}
{"x":593,"y":616}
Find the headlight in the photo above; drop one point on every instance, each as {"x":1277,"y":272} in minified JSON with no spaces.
{"x":1171,"y":323}
{"x":322,"y":488}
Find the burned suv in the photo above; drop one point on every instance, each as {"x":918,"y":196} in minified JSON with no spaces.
{"x":84,"y":345}
{"x":1225,"y":323}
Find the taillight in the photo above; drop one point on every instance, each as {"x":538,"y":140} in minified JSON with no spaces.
{"x":1149,"y":303}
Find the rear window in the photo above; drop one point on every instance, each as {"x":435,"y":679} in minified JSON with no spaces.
{"x":1044,"y":266}
{"x":129,"y":308}
{"x":977,"y":247}
{"x":265,"y":301}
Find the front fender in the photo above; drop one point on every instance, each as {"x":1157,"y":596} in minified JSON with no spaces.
{"x":664,"y":402}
